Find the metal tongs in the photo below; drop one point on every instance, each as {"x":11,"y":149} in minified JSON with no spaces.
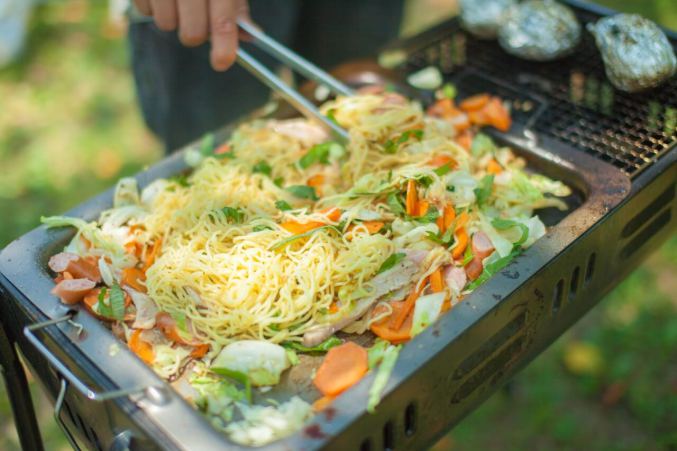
{"x":294,"y":61}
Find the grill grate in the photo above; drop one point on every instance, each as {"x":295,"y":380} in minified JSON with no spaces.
{"x":580,"y":107}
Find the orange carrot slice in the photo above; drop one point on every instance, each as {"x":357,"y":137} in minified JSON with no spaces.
{"x":465,"y":140}
{"x":407,"y":307}
{"x":154,"y":252}
{"x":497,"y":115}
{"x":493,"y":167}
{"x":322,"y":403}
{"x":422,"y":208}
{"x":384,"y":328}
{"x":449,"y":215}
{"x":332,"y":213}
{"x":412,"y":198}
{"x":133,"y":277}
{"x":200,"y":351}
{"x":298,"y":228}
{"x":436,"y":281}
{"x":316,"y":180}
{"x":141,"y":348}
{"x":440,"y":160}
{"x":461,"y":244}
{"x":474,"y":103}
{"x":342,"y":367}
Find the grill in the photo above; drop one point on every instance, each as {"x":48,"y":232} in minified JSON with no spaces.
{"x":574,"y":102}
{"x":618,"y":153}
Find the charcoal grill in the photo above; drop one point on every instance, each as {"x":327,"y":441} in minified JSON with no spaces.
{"x":616,"y":150}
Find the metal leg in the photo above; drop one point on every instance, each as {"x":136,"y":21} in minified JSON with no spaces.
{"x":19,"y":395}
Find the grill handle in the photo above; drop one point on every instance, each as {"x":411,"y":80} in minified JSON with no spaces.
{"x":57,"y":414}
{"x":156,"y":395}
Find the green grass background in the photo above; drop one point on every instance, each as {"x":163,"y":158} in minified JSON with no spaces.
{"x":69,"y":127}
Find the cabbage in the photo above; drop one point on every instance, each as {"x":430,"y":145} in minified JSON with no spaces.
{"x":536,"y":229}
{"x":168,"y":360}
{"x":261,"y":361}
{"x":126,"y":193}
{"x":463,"y":184}
{"x":388,"y":358}
{"x":426,"y":311}
{"x":264,"y":424}
{"x":502,"y":245}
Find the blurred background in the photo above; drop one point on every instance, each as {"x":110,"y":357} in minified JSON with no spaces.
{"x":69,"y":127}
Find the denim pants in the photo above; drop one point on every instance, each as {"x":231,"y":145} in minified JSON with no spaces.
{"x":181,"y":97}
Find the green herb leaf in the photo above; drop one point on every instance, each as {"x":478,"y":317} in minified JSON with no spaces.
{"x":207,"y":145}
{"x":117,"y":302}
{"x":238,"y":377}
{"x":278,"y":181}
{"x":303,"y":192}
{"x":262,"y":168}
{"x":325,"y":346}
{"x":424,"y":180}
{"x":482,"y":145}
{"x":317,"y":154}
{"x":449,"y":91}
{"x":392,"y":146}
{"x":180,"y":179}
{"x":389,"y":147}
{"x":391,"y":261}
{"x":235,"y":215}
{"x":103,"y":307}
{"x":395,"y":204}
{"x":443,"y":170}
{"x":483,"y":191}
{"x":291,"y":356}
{"x":493,"y":267}
{"x":261,"y":228}
{"x":331,"y":115}
{"x":467,"y":256}
{"x":430,"y":216}
{"x":505,"y":224}
{"x":180,"y":319}
{"x":283,"y":205}
{"x":293,"y":238}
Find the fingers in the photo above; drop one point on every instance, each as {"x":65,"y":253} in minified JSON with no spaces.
{"x":165,"y":14}
{"x":224,"y":31}
{"x":193,"y":22}
{"x":144,"y":7}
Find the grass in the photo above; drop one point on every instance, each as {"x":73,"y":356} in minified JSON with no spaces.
{"x":70,"y":126}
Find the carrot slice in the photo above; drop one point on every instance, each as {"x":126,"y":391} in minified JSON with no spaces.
{"x":497,"y":115}
{"x":440,"y":224}
{"x":154,"y":252}
{"x":298,"y":228}
{"x":332,"y":213}
{"x":223,"y":148}
{"x":422,"y":208}
{"x":412,"y":198}
{"x":465,"y":140}
{"x":383,"y":328}
{"x":316,"y":180}
{"x":474,"y":103}
{"x":461,"y":244}
{"x":449,"y":215}
{"x":342,"y":367}
{"x":478,"y":117}
{"x":436,"y":281}
{"x":322,"y":403}
{"x":407,"y":307}
{"x":373,"y":226}
{"x":441,"y":108}
{"x":462,"y":220}
{"x":133,"y":277}
{"x":493,"y":167}
{"x":200,"y":351}
{"x":440,"y":160}
{"x":141,"y":348}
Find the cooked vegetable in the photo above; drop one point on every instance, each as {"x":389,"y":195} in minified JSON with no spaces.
{"x":261,"y":361}
{"x":385,"y":369}
{"x":342,"y":367}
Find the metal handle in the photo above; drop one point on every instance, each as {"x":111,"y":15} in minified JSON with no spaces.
{"x":57,"y":415}
{"x":155,"y":394}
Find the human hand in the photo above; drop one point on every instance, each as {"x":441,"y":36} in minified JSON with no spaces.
{"x":200,"y":20}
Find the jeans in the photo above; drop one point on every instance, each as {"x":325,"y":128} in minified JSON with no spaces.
{"x":181,"y":97}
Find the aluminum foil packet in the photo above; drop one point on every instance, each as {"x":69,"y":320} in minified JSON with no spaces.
{"x":482,"y":18}
{"x":539,"y":30}
{"x":637,"y":55}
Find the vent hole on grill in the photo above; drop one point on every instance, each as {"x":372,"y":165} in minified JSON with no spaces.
{"x":366,"y":445}
{"x":557,"y":293}
{"x":410,"y":419}
{"x":388,"y":436}
{"x":590,"y":268}
{"x":573,"y":284}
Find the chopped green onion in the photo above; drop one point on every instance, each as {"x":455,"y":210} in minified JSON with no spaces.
{"x":325,"y":346}
{"x":303,"y":191}
{"x":283,"y":205}
{"x":391,"y":261}
{"x":262,"y":168}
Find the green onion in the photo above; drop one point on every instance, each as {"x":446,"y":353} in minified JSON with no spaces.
{"x":303,"y":192}
{"x":483,"y":192}
{"x":325,"y":346}
{"x":504,"y":224}
{"x":238,"y":377}
{"x":262,"y":168}
{"x":391,"y":261}
{"x":282,"y":205}
{"x":234,"y":214}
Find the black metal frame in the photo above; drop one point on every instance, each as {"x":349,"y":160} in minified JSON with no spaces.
{"x":441,"y":375}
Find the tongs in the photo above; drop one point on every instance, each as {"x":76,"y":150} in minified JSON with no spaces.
{"x":294,"y":61}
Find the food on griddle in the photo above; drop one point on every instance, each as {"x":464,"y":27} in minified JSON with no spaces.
{"x":539,"y":30}
{"x":223,"y":279}
{"x":483,"y":17}
{"x":637,"y":55}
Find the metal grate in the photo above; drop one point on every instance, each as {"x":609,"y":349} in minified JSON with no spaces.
{"x":580,"y":107}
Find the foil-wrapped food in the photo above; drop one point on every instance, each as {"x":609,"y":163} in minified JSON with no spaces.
{"x":637,"y":55}
{"x":539,"y":30}
{"x":483,"y":17}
